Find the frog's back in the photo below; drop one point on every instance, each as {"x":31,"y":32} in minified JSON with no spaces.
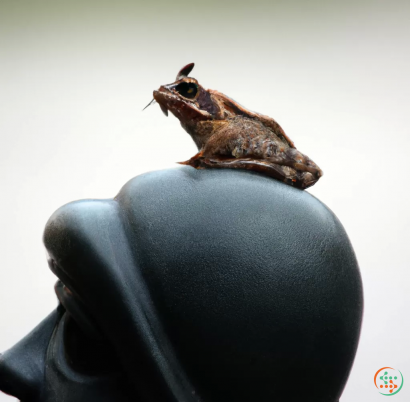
{"x":239,"y":110}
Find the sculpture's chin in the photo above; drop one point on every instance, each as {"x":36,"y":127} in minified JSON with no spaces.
{"x":22,"y":368}
{"x":57,"y":355}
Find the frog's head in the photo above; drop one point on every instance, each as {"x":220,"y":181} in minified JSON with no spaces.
{"x":187,"y":99}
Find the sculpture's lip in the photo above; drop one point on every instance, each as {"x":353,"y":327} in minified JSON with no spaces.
{"x":72,"y":303}
{"x":77,"y":310}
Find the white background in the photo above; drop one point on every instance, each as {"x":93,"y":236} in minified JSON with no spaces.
{"x":74,"y":77}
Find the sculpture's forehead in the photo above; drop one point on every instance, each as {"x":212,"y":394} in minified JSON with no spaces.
{"x":220,"y":245}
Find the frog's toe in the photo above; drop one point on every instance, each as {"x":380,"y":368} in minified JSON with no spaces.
{"x":194,"y":161}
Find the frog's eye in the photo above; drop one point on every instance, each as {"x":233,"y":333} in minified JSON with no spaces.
{"x":187,"y":89}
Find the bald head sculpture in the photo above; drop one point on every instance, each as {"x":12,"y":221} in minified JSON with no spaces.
{"x":194,"y":285}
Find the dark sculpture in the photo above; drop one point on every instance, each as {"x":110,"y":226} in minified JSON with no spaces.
{"x":211,"y":286}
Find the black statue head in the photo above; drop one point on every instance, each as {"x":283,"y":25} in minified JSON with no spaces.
{"x":190,"y":286}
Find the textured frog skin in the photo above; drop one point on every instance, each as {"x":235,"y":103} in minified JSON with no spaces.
{"x":230,"y":136}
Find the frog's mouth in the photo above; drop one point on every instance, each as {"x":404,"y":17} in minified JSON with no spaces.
{"x":183,"y":109}
{"x":157,"y":96}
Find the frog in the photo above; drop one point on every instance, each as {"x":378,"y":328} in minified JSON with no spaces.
{"x":228,"y":135}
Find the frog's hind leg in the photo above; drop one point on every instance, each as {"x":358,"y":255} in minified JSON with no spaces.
{"x":194,"y":160}
{"x":256,"y":165}
{"x":287,"y":174}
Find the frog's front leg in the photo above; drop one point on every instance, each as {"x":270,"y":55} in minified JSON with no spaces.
{"x":194,"y":161}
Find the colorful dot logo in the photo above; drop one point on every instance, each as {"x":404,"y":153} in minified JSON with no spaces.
{"x":388,"y":381}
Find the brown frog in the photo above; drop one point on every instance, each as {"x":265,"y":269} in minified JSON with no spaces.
{"x":229,"y":136}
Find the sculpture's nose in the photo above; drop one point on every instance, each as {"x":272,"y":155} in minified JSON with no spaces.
{"x":22,"y":366}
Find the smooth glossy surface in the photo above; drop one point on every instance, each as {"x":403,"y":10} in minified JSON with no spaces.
{"x":212,"y":286}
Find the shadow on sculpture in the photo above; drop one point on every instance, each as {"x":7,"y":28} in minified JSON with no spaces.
{"x":192,"y":285}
